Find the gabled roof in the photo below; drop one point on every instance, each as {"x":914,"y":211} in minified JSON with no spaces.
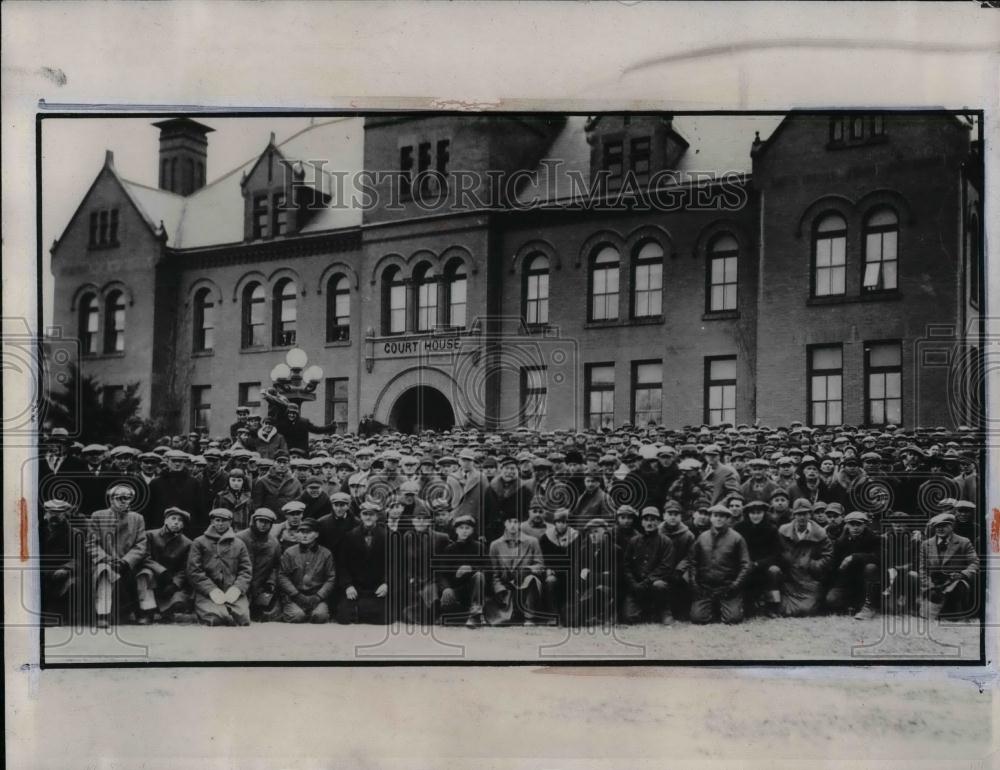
{"x":213,"y":215}
{"x":716,"y":143}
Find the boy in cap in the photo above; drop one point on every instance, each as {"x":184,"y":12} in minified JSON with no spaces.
{"x":948,"y":570}
{"x":306,"y":578}
{"x":363,"y":571}
{"x":558,"y":544}
{"x":681,"y":538}
{"x":780,"y":511}
{"x":649,"y":560}
{"x":535,"y":524}
{"x":718,"y":566}
{"x":462,"y":572}
{"x":287,"y":531}
{"x":899,"y":558}
{"x":219,"y":570}
{"x":625,"y":525}
{"x":764,"y":546}
{"x":162,"y":577}
{"x":596,"y":575}
{"x":265,"y":554}
{"x":517,"y":567}
{"x":856,"y":569}
{"x":236,"y":498}
{"x":423,"y":548}
{"x":116,"y":545}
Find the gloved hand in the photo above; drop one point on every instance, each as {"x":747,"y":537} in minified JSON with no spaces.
{"x":232,"y":594}
{"x":217,"y":596}
{"x":584,"y":573}
{"x":382,"y":590}
{"x":351,"y":593}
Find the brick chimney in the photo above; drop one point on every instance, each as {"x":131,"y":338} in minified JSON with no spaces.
{"x":183,"y":155}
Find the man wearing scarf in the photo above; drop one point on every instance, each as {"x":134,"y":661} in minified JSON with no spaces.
{"x":220,"y":571}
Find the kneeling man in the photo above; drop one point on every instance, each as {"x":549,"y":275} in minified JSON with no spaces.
{"x":306,"y":578}
{"x":219,"y":570}
{"x":718,"y":566}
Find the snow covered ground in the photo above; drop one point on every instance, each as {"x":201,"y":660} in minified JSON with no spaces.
{"x":806,"y":639}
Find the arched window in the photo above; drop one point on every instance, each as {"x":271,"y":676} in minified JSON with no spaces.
{"x":647,"y":271}
{"x":456,"y":286}
{"x":284,"y":313}
{"x":881,"y":237}
{"x":604,"y":285}
{"x":114,"y":323}
{"x":88,"y":323}
{"x":393,"y":301}
{"x":536,"y":290}
{"x":338,"y":309}
{"x":204,"y":320}
{"x":723,"y":261}
{"x":830,"y":256}
{"x":253,"y":315}
{"x":427,"y":300}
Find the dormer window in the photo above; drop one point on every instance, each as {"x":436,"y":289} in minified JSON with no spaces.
{"x":639,"y":158}
{"x":260,"y":217}
{"x":280,"y":214}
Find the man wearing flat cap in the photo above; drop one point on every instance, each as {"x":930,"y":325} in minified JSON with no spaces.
{"x":162,"y":576}
{"x":116,"y":546}
{"x":758,"y":486}
{"x":219,"y":570}
{"x":948,"y":570}
{"x":718,"y":567}
{"x":278,"y":486}
{"x":806,"y":559}
{"x":515,"y":577}
{"x":648,"y":561}
{"x":597,"y":574}
{"x":462,"y":570}
{"x":62,"y":548}
{"x":265,"y":553}
{"x":176,"y":488}
{"x":856,"y":570}
{"x":559,"y":544}
{"x":306,"y":578}
{"x":720,"y":478}
{"x":511,"y":495}
{"x":363,"y":571}
{"x":470,"y":494}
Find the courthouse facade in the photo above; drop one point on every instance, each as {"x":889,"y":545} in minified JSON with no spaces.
{"x":555,"y":272}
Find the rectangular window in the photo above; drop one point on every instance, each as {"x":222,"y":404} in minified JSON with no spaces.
{"x":336,"y":402}
{"x":426,"y":306}
{"x":878,"y":125}
{"x":256,"y":323}
{"x":457,"y":299}
{"x":720,"y":390}
{"x":639,"y":158}
{"x":613,"y":162}
{"x":600,"y":397}
{"x":722,"y":288}
{"x":605,"y":295}
{"x":884,"y":383}
{"x":537,"y":299}
{"x":826,"y":376}
{"x":647,"y":393}
{"x":534,"y":390}
{"x":201,"y":408}
{"x":113,"y":228}
{"x":397,"y":309}
{"x":280,"y":215}
{"x":857,"y":127}
{"x":405,"y":172}
{"x":102,"y":233}
{"x":880,"y":260}
{"x":648,"y":290}
{"x":836,"y":129}
{"x":260,"y":216}
{"x":249,"y":394}
{"x":831,"y":261}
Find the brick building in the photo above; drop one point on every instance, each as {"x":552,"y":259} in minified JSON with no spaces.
{"x":547,"y":271}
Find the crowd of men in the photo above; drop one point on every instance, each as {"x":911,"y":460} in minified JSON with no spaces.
{"x":282,"y":521}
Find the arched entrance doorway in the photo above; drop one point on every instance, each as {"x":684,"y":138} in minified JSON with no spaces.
{"x":421,"y":408}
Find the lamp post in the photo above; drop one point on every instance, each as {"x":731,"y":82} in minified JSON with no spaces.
{"x":292,"y":381}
